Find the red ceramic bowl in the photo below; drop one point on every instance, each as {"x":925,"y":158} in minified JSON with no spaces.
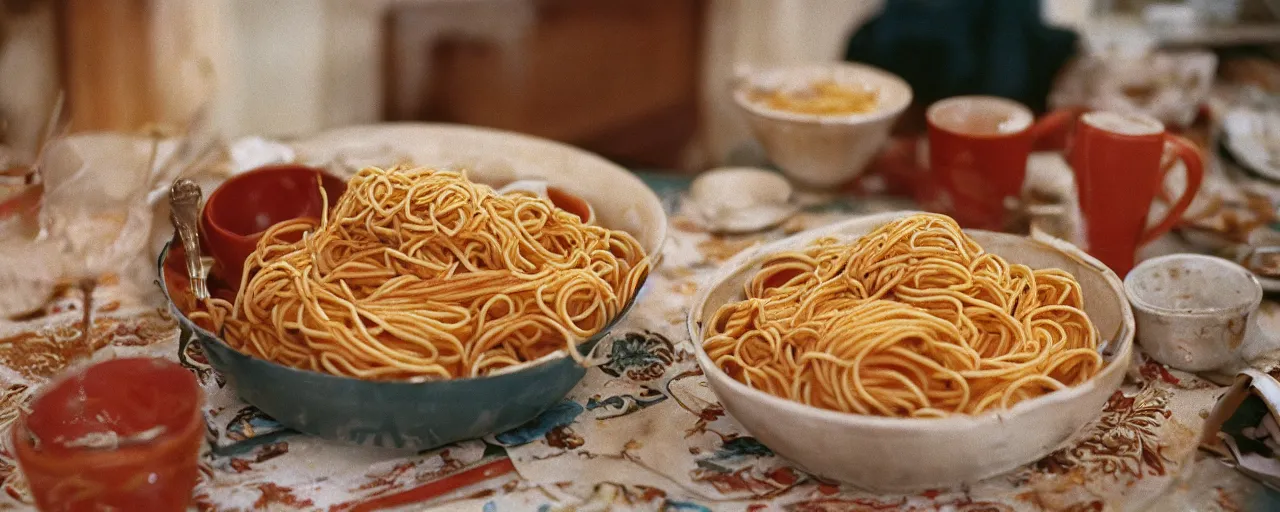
{"x":242,"y":208}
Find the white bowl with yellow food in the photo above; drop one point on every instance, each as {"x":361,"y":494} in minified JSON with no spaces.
{"x":912,"y":385}
{"x":822,"y":123}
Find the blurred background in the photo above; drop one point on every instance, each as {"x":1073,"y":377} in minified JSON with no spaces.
{"x":643,"y":82}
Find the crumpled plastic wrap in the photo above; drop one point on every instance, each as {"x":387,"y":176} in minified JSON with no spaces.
{"x":1169,"y":86}
{"x":101,"y":210}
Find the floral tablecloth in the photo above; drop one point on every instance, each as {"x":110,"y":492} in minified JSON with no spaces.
{"x":641,"y":432}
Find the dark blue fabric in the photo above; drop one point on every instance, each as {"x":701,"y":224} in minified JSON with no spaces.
{"x":946,"y":48}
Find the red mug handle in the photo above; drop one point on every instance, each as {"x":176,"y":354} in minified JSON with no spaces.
{"x":1054,"y":123}
{"x":1186,"y":151}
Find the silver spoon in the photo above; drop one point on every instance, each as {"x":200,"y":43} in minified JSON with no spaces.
{"x":184,"y":212}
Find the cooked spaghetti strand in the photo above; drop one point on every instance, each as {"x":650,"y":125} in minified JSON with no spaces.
{"x":914,"y":319}
{"x":419,"y":273}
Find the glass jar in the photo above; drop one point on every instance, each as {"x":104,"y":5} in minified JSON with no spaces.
{"x":123,"y":434}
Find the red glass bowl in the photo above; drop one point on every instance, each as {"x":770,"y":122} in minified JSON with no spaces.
{"x":243,"y":207}
{"x":150,"y":407}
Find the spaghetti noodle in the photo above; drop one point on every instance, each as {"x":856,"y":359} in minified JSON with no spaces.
{"x":422,"y":274}
{"x":824,"y":98}
{"x":914,"y":319}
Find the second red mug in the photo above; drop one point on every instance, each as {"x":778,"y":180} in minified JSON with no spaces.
{"x":1117,"y":162}
{"x":978,"y":150}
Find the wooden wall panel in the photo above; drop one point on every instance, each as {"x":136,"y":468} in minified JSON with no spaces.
{"x":106,"y":63}
{"x":619,"y":77}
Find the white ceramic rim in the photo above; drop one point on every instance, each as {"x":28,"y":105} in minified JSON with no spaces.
{"x":1097,"y":120}
{"x":1269,"y":284}
{"x":729,"y":173}
{"x":1130,"y":288}
{"x":880,"y":76}
{"x":1014,"y":105}
{"x":1119,"y":361}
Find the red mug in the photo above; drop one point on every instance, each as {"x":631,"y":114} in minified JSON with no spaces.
{"x":1116,"y":158}
{"x":978,"y":150}
{"x":243,"y":207}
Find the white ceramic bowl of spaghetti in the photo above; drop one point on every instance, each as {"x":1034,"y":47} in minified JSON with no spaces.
{"x":888,"y":453}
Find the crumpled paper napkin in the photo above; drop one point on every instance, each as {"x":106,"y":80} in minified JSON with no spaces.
{"x":1244,"y":427}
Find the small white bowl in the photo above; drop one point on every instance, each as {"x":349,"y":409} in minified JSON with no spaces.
{"x":822,"y":151}
{"x":741,"y":199}
{"x":912,"y":454}
{"x":1193,"y":312}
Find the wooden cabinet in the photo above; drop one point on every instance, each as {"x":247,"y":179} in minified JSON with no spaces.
{"x":619,"y":77}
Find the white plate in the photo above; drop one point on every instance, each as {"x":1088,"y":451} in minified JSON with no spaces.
{"x":1253,"y":138}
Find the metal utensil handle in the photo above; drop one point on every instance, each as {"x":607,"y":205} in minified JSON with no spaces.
{"x":184,"y":205}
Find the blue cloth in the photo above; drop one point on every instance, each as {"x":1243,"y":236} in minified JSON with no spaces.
{"x":947,"y":48}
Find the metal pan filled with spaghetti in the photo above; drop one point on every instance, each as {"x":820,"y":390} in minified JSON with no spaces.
{"x":898,"y":352}
{"x":420,"y":307}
